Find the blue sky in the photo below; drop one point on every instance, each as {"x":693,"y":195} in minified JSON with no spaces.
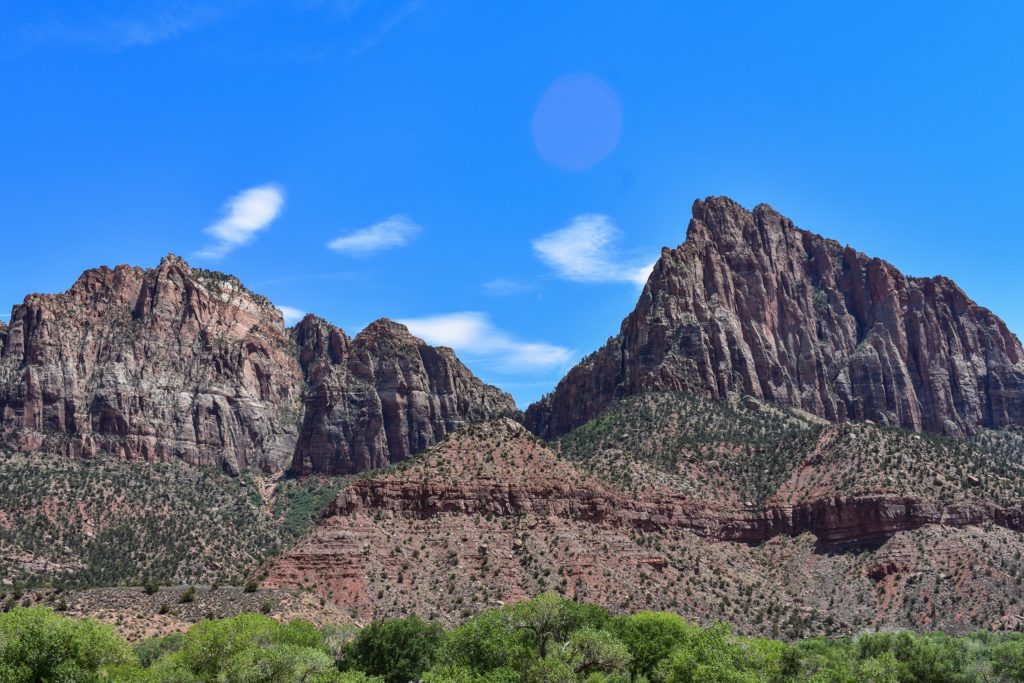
{"x":500,"y":172}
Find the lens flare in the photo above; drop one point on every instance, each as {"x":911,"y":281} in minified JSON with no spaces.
{"x":577,"y":122}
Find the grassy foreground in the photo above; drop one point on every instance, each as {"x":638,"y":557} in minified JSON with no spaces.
{"x":548,"y":639}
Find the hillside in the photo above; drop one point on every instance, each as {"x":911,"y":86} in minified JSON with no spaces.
{"x":751,"y":451}
{"x":492,"y":515}
{"x":105,"y":522}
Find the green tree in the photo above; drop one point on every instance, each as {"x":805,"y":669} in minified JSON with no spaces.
{"x":935,"y":658}
{"x":399,"y":650}
{"x":590,"y":651}
{"x":486,"y":643}
{"x":152,"y":649}
{"x":1008,"y":660}
{"x":37,"y":644}
{"x":253,"y":647}
{"x":551,"y":617}
{"x":550,"y":669}
{"x":650,"y":637}
{"x":278,"y":663}
{"x":881,"y":669}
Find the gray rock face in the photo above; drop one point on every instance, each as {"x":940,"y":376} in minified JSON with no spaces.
{"x":176,"y":362}
{"x":382,"y":396}
{"x":750,"y":304}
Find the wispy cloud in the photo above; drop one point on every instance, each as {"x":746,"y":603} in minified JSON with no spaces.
{"x":385,"y":27}
{"x":472,"y":334}
{"x":396,"y":231}
{"x":157,"y":25}
{"x":291,"y":314}
{"x":581,"y":252}
{"x":505,"y":287}
{"x":246,"y":214}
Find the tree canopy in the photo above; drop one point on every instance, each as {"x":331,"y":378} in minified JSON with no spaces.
{"x":549,"y":639}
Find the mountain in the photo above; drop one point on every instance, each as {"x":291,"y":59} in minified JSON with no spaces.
{"x":381,"y":397}
{"x":819,"y":539}
{"x":785,"y":435}
{"x":751,"y":305}
{"x":183,"y":363}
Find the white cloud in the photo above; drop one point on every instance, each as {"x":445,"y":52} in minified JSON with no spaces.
{"x":581,"y":252}
{"x":246,"y":214}
{"x":291,"y":315}
{"x":157,"y":25}
{"x":396,"y":231}
{"x":473,"y":334}
{"x":505,"y":287}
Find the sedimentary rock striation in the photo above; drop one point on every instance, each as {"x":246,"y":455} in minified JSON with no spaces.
{"x":493,"y":515}
{"x":750,"y":304}
{"x":176,"y":362}
{"x":382,"y":396}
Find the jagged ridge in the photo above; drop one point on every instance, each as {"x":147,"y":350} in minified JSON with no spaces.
{"x":182,"y":363}
{"x":749,"y":304}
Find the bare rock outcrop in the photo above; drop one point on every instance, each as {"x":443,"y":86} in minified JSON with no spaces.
{"x":382,"y":396}
{"x":179,"y":362}
{"x":151,"y":365}
{"x":751,"y":305}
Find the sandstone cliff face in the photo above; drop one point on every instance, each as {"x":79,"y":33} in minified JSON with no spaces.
{"x":183,"y":363}
{"x":749,"y":304}
{"x":381,"y":397}
{"x":151,"y":365}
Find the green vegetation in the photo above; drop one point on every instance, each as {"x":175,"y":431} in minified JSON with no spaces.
{"x":38,"y":645}
{"x":753,"y":446}
{"x":546,"y":640}
{"x":173,"y":523}
{"x":299,"y":501}
{"x":749,"y":449}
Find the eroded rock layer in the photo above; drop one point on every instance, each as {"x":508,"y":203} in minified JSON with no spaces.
{"x":751,"y":305}
{"x":381,"y":397}
{"x":176,"y":362}
{"x":493,"y":515}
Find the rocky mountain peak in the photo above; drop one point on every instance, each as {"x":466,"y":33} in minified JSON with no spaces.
{"x":400,"y":396}
{"x":172,"y":260}
{"x":751,"y":305}
{"x":318,"y":340}
{"x":185,"y":363}
{"x":387,"y":328}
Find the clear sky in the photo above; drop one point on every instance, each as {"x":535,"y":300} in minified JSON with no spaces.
{"x":500,"y":173}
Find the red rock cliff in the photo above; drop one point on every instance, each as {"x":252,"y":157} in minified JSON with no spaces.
{"x":176,"y":362}
{"x":382,"y":396}
{"x":750,"y":304}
